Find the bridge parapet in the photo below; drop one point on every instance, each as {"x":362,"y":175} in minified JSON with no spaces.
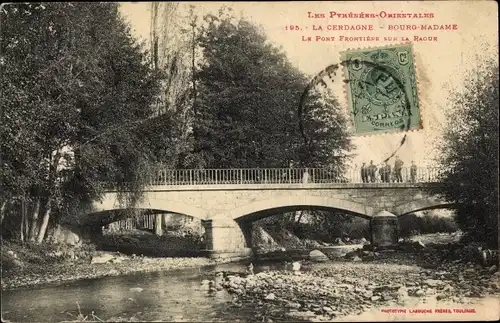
{"x":283,"y":186}
{"x":285,"y":176}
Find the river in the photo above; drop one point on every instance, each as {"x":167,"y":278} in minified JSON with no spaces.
{"x":178,"y":295}
{"x":175,"y":295}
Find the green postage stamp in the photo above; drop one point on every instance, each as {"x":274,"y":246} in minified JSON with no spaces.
{"x":382,"y":89}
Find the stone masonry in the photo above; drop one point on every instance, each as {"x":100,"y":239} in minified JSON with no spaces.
{"x":226,"y":210}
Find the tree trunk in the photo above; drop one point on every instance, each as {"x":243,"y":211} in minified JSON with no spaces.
{"x":300,"y":216}
{"x":23,"y":215}
{"x":45,"y":222}
{"x":2,"y":210}
{"x":34,"y":221}
{"x":26,"y":220}
{"x":193,"y":66}
{"x":48,"y":205}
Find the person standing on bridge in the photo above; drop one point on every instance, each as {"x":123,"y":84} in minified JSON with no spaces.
{"x":372,"y":169}
{"x":364,"y":173}
{"x":398,"y":165}
{"x":382,"y":172}
{"x":413,"y":172}
{"x":305,"y":177}
{"x":386,"y":173}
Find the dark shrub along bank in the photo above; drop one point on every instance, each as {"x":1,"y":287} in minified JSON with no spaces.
{"x":411,"y":224}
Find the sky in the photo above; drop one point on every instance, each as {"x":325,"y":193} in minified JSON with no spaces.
{"x":441,"y":65}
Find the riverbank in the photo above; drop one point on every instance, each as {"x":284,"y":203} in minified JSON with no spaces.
{"x":396,"y":280}
{"x":26,"y":265}
{"x":122,"y":253}
{"x":29,"y":266}
{"x":414,"y":275}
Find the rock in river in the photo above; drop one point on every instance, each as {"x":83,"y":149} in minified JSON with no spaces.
{"x":102,"y":258}
{"x":420,"y":292}
{"x":318,"y":256}
{"x":301,"y":315}
{"x":430,"y":291}
{"x":292,"y":305}
{"x":136,"y":289}
{"x":402,"y":292}
{"x":433,"y":282}
{"x":270,"y":297}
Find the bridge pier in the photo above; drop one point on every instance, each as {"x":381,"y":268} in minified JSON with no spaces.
{"x":384,"y":230}
{"x":247,"y":230}
{"x":225,"y":240}
{"x":158,"y":224}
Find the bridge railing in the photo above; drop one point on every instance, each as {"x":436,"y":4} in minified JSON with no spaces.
{"x":284,"y":176}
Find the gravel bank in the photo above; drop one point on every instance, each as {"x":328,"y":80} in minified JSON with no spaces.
{"x":335,"y":290}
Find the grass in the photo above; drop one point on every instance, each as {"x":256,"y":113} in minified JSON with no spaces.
{"x":84,"y":318}
{"x":80,"y":317}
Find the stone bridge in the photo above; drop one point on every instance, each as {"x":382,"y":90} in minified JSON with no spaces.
{"x":227,"y":210}
{"x":248,"y":203}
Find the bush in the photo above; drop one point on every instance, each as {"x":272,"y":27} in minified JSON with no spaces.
{"x":321,"y":226}
{"x":469,"y":151}
{"x":170,"y":244}
{"x":411,"y":224}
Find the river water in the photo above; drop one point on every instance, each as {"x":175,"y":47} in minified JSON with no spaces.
{"x":175,"y":295}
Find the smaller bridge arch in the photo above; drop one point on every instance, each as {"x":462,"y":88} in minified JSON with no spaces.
{"x":148,"y":203}
{"x":429,"y":203}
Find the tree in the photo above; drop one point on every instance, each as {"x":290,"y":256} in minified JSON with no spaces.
{"x":247,"y":101}
{"x":469,"y":158}
{"x":171,"y":41}
{"x":77,"y":106}
{"x":325,"y":127}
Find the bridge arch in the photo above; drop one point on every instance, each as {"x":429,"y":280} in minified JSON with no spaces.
{"x":154,"y":204}
{"x":260,"y":209}
{"x":424,"y":204}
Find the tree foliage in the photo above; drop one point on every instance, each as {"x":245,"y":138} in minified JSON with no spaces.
{"x":325,"y":126}
{"x":324,"y":226}
{"x":77,"y":106}
{"x":411,"y":224}
{"x":248,"y":94}
{"x":469,"y":158}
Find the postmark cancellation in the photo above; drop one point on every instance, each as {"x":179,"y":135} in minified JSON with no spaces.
{"x":381,"y":88}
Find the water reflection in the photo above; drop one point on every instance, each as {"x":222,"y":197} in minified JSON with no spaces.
{"x":165,"y":296}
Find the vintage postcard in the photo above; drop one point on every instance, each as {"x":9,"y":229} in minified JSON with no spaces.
{"x":304,"y":161}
